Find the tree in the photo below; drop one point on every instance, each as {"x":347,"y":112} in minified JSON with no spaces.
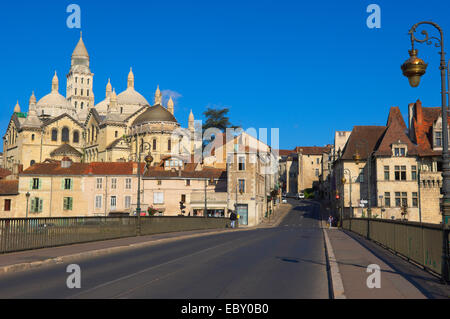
{"x":216,"y":118}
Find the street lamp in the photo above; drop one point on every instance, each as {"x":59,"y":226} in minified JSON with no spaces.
{"x":28,"y":198}
{"x":414,"y":68}
{"x":357,"y":159}
{"x":148,"y":160}
{"x":346,"y":170}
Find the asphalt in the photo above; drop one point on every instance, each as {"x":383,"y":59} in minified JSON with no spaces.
{"x":283,"y":262}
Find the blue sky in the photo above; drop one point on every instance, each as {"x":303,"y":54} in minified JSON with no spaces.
{"x":308,"y":68}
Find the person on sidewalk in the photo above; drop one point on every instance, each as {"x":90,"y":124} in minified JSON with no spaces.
{"x":330,"y":221}
{"x":233,"y":218}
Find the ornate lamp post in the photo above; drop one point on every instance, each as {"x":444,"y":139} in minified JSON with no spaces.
{"x":148,"y":160}
{"x":414,"y":68}
{"x":346,"y":170}
{"x":28,"y":198}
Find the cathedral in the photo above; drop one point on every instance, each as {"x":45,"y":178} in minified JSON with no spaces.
{"x":109,"y":131}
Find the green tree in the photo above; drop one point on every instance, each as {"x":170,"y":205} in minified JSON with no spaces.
{"x":217,"y":118}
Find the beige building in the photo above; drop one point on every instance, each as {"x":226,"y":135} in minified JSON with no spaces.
{"x":403,"y":183}
{"x":303,"y":168}
{"x":65,"y":189}
{"x":56,"y":126}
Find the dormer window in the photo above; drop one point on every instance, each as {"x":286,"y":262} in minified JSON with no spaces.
{"x":399,"y":151}
{"x":438,"y":139}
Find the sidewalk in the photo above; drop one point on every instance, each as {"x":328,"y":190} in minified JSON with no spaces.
{"x":352,"y":261}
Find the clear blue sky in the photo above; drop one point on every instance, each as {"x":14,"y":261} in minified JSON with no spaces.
{"x":306,"y":67}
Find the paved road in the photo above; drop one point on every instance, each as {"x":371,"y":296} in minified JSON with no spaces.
{"x":282,"y":262}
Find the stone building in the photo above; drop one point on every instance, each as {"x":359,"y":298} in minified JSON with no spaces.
{"x":397,"y":164}
{"x":302,"y":168}
{"x":57,"y":126}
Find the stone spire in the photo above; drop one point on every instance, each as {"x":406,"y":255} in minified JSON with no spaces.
{"x":17,"y":107}
{"x":170,"y":105}
{"x":191,"y":121}
{"x":130,"y":79}
{"x":108,"y":88}
{"x":158,"y":96}
{"x":32,"y":99}
{"x":113,"y":112}
{"x":55,"y":83}
{"x":32,"y":119}
{"x":80,"y":54}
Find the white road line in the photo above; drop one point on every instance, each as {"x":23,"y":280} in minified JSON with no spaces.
{"x":336,"y":279}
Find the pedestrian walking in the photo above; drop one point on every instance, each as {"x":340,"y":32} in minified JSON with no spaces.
{"x":330,"y":221}
{"x":233,"y":219}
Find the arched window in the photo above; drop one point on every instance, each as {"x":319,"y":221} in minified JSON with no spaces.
{"x":82,"y":105}
{"x":169,"y":145}
{"x":154,"y":144}
{"x":76,"y":103}
{"x":65,"y":135}
{"x":54,"y":135}
{"x":32,"y":137}
{"x":32,"y":163}
{"x":76,"y":137}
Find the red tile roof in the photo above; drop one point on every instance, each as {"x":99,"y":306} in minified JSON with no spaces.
{"x":9,"y":187}
{"x":312,"y":150}
{"x":4,"y":173}
{"x":364,"y":140}
{"x":395,"y":132}
{"x":98,"y":168}
{"x":421,"y":128}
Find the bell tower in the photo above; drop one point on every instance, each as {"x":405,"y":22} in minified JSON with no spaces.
{"x":79,"y":81}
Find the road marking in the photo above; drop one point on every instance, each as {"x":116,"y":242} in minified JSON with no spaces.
{"x":336,"y":279}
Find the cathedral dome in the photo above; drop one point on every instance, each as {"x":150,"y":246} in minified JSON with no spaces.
{"x":54,"y":103}
{"x":102,"y":107}
{"x":156,"y":113}
{"x":131,"y":97}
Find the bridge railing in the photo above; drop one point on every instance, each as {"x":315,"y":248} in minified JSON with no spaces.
{"x":418,"y":242}
{"x":17,"y":234}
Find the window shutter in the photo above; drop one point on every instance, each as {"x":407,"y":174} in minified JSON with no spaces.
{"x":40,"y":183}
{"x":63,"y":181}
{"x":70,"y":203}
{"x":40,"y":204}
{"x":65,"y":205}
{"x":71,"y":184}
{"x":31,"y":183}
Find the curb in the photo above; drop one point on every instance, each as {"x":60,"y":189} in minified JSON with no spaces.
{"x":100,"y":252}
{"x":336,"y":279}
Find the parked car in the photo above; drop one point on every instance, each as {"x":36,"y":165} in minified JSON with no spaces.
{"x":300,"y":196}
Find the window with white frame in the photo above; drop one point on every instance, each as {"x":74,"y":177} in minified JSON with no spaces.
{"x":99,"y":183}
{"x":127,"y":201}
{"x":128,"y":183}
{"x":158,"y":198}
{"x":98,"y":201}
{"x":113,"y":202}
{"x":113,"y":183}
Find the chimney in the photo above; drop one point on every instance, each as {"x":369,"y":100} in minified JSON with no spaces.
{"x":135,"y":168}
